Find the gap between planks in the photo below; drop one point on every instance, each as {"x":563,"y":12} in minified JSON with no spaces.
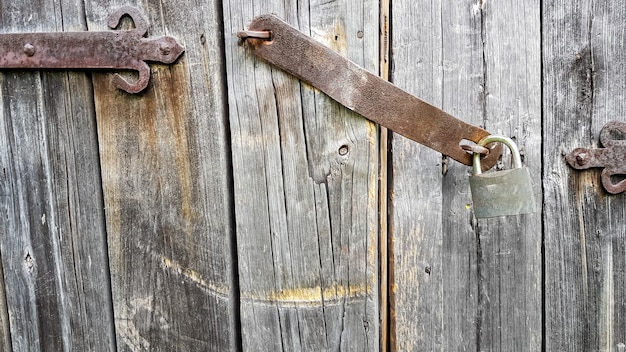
{"x":383,"y":186}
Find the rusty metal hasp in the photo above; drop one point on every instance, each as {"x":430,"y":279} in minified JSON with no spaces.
{"x":107,"y":50}
{"x":275,"y":41}
{"x":612,"y":157}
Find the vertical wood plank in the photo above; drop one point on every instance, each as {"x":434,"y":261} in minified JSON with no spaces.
{"x":53,"y":236}
{"x":5,"y":324}
{"x":305,"y":175}
{"x":458,"y":283}
{"x":509,"y":248}
{"x":436,"y":56}
{"x":165,"y":169}
{"x":585,"y":234}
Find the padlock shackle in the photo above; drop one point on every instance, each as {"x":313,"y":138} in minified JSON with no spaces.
{"x":517,"y":159}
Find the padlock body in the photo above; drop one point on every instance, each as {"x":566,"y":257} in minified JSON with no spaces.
{"x":506,"y":192}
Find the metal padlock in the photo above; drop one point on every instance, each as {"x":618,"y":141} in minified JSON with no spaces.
{"x":506,"y":192}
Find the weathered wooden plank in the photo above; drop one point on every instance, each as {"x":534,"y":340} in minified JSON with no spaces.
{"x":53,"y":253}
{"x":305,"y":176}
{"x":5,"y":324}
{"x":584,"y":57}
{"x":509,"y":248}
{"x":459,"y":284}
{"x":53,"y":237}
{"x":433,"y":296}
{"x":165,"y":170}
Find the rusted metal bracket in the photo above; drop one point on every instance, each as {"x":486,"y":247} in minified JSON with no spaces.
{"x":107,"y":50}
{"x":277,"y":42}
{"x":612,"y":157}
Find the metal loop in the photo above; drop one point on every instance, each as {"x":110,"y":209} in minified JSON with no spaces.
{"x":517,"y":159}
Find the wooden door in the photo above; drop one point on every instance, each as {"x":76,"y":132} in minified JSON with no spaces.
{"x":230,"y":207}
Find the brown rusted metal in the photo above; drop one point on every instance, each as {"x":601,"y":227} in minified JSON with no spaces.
{"x":475,"y":148}
{"x":106,"y":50}
{"x":365,"y":93}
{"x":612,"y":157}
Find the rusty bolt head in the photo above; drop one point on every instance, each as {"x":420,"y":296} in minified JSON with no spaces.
{"x":29,"y":49}
{"x":165,"y":50}
{"x":581,"y":159}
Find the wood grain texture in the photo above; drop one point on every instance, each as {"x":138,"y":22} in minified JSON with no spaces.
{"x":52,"y":235}
{"x":433,"y":295}
{"x":509,"y":248}
{"x":383,"y":185}
{"x":584,"y":57}
{"x":458,"y":283}
{"x":87,"y":170}
{"x":5,"y":323}
{"x":165,"y":178}
{"x":305,"y":175}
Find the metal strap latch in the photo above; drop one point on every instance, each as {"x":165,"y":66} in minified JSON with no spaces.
{"x":612,"y":157}
{"x":275,"y":41}
{"x":108,"y":50}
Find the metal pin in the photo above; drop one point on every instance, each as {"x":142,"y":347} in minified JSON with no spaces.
{"x":255,"y":34}
{"x":476,"y":149}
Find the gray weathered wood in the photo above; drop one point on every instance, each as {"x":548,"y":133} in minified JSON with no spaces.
{"x":305,"y":199}
{"x":5,"y":327}
{"x":584,"y":58}
{"x":305,"y":175}
{"x":418,"y":302}
{"x":458,"y":283}
{"x":509,"y":248}
{"x":165,"y":179}
{"x":52,"y":235}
